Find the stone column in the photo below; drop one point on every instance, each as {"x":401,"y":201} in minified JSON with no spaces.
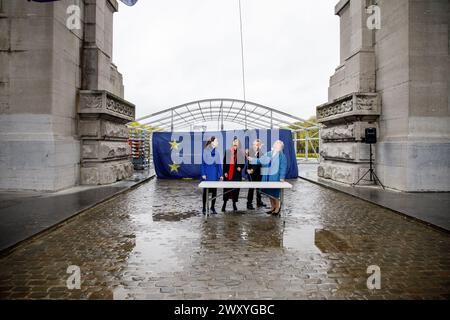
{"x":43,"y":66}
{"x":407,"y":63}
{"x":103,"y":113}
{"x":99,"y":73}
{"x":39,"y":81}
{"x":105,"y":153}
{"x":356,"y":72}
{"x":413,"y":81}
{"x":353,"y":104}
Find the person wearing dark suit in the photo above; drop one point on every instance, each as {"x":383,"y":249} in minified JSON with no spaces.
{"x":211,"y":170}
{"x":233,"y":167}
{"x":254,"y":174}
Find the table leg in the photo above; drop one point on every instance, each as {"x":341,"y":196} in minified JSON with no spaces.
{"x":207,"y":202}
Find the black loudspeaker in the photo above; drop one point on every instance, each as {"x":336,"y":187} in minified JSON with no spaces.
{"x":371,"y":135}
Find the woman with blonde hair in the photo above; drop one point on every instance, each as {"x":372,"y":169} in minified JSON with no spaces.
{"x":274,"y":168}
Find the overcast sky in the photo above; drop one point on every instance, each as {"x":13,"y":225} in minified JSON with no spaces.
{"x":176,"y":51}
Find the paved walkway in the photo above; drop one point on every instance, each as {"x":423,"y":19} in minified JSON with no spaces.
{"x":152,"y":243}
{"x":26,"y":214}
{"x":431,"y":208}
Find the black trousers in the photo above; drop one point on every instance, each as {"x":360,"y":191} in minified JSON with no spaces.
{"x":232,"y":194}
{"x":250,"y":196}
{"x":251,"y":192}
{"x":213,"y":201}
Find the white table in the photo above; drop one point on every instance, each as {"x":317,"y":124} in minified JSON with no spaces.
{"x":242,"y":185}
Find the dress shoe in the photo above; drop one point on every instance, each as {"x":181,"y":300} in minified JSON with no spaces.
{"x":250,"y":207}
{"x":276,"y":213}
{"x":261,"y":205}
{"x":213,"y":211}
{"x":224,"y":207}
{"x":269,"y":212}
{"x":235,"y":207}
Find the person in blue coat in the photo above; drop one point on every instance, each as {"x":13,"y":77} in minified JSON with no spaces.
{"x":274,"y":168}
{"x":211,"y":170}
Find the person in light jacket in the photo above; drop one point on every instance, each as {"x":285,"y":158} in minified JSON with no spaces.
{"x":274,"y":168}
{"x":211,"y":170}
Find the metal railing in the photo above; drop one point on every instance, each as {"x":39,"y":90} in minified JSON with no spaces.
{"x":310,"y":144}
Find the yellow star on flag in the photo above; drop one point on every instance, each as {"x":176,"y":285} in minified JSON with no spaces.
{"x":173,"y":145}
{"x":174,"y":167}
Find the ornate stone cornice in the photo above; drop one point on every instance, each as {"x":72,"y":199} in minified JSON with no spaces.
{"x":350,"y":106}
{"x":104,"y":102}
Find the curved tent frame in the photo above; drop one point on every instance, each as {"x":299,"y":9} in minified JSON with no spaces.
{"x":248,"y":114}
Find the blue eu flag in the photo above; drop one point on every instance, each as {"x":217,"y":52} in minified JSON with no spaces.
{"x":165,"y":147}
{"x":129,"y":2}
{"x":175,"y":158}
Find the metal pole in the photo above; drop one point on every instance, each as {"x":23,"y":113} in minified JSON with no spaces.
{"x":371,"y":176}
{"x":221,"y":118}
{"x":171,"y":121}
{"x":222,"y":127}
{"x":207,"y":202}
{"x":295,"y":144}
{"x":271,"y":119}
{"x":245,"y":112}
{"x":320,"y":145}
{"x":307,"y":145}
{"x":150,"y":148}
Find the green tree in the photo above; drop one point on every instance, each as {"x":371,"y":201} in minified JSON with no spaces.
{"x":136,"y":127}
{"x":313,"y":145}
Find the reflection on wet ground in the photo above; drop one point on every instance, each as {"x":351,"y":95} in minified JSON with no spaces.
{"x":153,"y":243}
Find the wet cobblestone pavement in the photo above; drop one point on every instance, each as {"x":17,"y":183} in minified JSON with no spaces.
{"x":152,"y":243}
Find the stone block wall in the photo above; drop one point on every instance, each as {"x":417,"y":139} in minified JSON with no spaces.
{"x":40,"y":76}
{"x":413,"y":80}
{"x":356,"y":72}
{"x":99,"y":71}
{"x":353,"y":104}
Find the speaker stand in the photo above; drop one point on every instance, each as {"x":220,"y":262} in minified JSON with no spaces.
{"x":373,"y":176}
